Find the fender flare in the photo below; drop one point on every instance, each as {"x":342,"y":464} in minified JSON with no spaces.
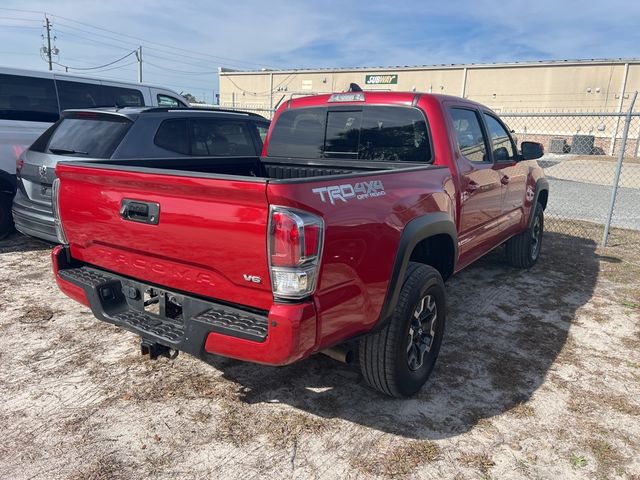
{"x":542,"y":184}
{"x":414,"y":232}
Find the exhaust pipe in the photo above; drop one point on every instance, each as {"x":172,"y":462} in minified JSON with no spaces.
{"x":340,"y":353}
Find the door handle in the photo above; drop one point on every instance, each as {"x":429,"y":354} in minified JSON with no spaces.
{"x":472,"y":186}
{"x":504,"y":180}
{"x":139,"y":211}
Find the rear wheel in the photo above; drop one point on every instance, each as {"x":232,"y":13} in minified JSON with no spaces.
{"x":523,"y":250}
{"x":398,"y":359}
{"x":6,"y":219}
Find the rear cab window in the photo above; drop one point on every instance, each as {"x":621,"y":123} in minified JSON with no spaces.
{"x":29,"y":99}
{"x":84,"y":134}
{"x":369,"y":133}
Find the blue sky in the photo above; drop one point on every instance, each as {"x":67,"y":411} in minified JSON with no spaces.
{"x":185,"y":43}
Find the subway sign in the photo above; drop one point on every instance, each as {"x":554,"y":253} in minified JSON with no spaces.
{"x":385,"y":79}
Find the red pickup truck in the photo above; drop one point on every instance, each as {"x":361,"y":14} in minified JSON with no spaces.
{"x":336,"y":240}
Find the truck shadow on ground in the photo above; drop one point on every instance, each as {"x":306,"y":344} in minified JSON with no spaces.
{"x":505,"y":330}
{"x":16,"y":242}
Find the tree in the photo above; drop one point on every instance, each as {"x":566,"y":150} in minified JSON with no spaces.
{"x":190,"y":98}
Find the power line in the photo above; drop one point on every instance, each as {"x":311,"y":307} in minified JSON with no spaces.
{"x":119,"y":66}
{"x":98,"y":42}
{"x":157,"y":43}
{"x":212,"y":72}
{"x":21,"y":19}
{"x":180,"y":55}
{"x":19,"y":26}
{"x":98,"y":67}
{"x":103,"y":43}
{"x":21,"y":10}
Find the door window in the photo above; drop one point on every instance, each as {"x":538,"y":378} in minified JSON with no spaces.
{"x":28,"y":98}
{"x":469,"y":134}
{"x":173,"y":135}
{"x":213,"y":137}
{"x":501,"y":141}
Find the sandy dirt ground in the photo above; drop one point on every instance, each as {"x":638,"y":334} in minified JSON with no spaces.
{"x":538,"y":377}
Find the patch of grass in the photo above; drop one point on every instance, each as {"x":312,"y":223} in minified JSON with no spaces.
{"x":478,"y":461}
{"x":36,"y":314}
{"x":578,"y":461}
{"x":622,"y":405}
{"x":103,"y":468}
{"x":608,"y":458}
{"x":400,"y":460}
{"x":239,"y":424}
{"x":631,"y":304}
{"x":284,"y":428}
{"x":522,"y":410}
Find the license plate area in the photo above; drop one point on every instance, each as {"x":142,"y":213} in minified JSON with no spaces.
{"x":162,"y":303}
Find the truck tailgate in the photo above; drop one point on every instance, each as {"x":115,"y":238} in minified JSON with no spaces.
{"x":209,"y":237}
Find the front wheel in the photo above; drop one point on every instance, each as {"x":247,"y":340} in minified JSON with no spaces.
{"x":523,"y":250}
{"x":398,"y":359}
{"x":6,"y":219}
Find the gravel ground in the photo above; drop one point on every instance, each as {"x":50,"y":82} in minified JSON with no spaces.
{"x":538,"y":378}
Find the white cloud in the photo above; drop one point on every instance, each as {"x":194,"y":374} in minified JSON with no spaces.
{"x":323,"y":34}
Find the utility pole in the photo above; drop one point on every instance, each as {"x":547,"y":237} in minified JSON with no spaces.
{"x":139,"y":56}
{"x":49,"y":42}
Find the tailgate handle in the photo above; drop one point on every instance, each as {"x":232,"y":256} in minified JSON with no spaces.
{"x":139,"y":211}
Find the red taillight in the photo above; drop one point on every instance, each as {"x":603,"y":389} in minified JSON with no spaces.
{"x":312,"y":240}
{"x":285,"y":240}
{"x":19,"y":164}
{"x":295,"y":245}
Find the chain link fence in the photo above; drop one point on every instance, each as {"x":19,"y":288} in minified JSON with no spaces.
{"x":586,"y":157}
{"x":581,"y":162}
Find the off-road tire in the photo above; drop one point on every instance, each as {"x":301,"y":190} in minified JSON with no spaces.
{"x":384,"y":354}
{"x":6,"y":219}
{"x":522,"y":250}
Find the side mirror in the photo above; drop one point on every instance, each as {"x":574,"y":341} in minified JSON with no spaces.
{"x":531,"y":150}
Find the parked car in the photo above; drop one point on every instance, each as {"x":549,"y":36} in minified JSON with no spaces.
{"x":30,"y":101}
{"x":113,"y":134}
{"x":340,"y":234}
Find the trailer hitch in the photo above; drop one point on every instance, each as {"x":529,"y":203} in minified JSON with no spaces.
{"x":155,"y":350}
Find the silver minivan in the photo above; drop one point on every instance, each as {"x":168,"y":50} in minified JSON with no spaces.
{"x":31,"y":101}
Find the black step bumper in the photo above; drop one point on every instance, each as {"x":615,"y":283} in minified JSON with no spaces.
{"x":172,"y":319}
{"x":180,"y":321}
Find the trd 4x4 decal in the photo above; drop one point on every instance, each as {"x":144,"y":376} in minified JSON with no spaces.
{"x":347,"y":191}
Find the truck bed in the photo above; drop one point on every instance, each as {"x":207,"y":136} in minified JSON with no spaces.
{"x":255,"y":168}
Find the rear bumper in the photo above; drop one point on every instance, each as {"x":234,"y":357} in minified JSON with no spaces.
{"x":33,"y":219}
{"x":283,"y":335}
